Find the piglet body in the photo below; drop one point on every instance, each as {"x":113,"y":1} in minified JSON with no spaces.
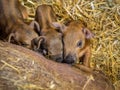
{"x":53,"y":45}
{"x":12,"y":27}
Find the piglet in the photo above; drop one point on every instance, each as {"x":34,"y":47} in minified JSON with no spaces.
{"x":52,"y":45}
{"x":76,"y":38}
{"x":12,"y":27}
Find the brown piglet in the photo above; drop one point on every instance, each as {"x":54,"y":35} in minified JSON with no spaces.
{"x":12,"y":26}
{"x":76,"y":38}
{"x":52,"y":46}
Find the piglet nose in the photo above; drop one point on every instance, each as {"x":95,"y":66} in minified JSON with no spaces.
{"x":58,"y":58}
{"x":69,"y":59}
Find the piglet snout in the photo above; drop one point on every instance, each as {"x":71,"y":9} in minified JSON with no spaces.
{"x":69,"y":59}
{"x":58,"y":58}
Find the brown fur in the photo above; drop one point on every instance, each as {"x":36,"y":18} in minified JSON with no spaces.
{"x":45,"y":16}
{"x":40,"y":72}
{"x":23,"y":11}
{"x":73,"y":34}
{"x":12,"y":26}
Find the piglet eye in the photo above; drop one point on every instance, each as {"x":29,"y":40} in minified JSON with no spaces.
{"x":79,"y":44}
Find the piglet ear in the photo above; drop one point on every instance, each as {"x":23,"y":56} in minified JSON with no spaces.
{"x":37,"y":45}
{"x":34,"y":25}
{"x":10,"y":37}
{"x":36,"y":42}
{"x":88,"y":33}
{"x":24,"y":12}
{"x":59,"y":26}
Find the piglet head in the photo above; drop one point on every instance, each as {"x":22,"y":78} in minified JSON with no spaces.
{"x":23,"y":35}
{"x":75,"y":38}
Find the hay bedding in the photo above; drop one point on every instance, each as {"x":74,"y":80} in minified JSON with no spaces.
{"x":103,"y":18}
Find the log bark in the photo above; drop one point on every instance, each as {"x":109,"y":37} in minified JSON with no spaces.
{"x":24,"y":69}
